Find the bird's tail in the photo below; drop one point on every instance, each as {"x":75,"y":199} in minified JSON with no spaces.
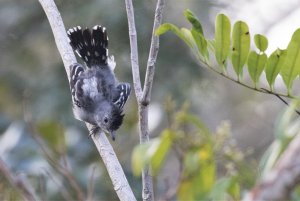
{"x":91,"y":46}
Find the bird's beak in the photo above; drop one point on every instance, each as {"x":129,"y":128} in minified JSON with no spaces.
{"x":113,"y":135}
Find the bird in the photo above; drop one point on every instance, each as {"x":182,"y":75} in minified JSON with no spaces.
{"x":97,"y":95}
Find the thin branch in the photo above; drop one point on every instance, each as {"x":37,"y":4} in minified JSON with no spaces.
{"x":143,"y":96}
{"x":280,"y":98}
{"x":65,"y":194}
{"x":153,"y":53}
{"x":134,"y":50}
{"x":106,"y":151}
{"x":17,"y":182}
{"x":48,"y":154}
{"x":278,"y":184}
{"x":262,"y":90}
{"x":91,"y":186}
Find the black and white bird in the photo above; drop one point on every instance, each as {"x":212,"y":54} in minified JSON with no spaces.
{"x":98,"y":97}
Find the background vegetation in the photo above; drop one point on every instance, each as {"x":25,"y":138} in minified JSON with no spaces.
{"x":35,"y":103}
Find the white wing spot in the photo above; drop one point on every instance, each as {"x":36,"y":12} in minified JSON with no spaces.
{"x":78,"y":53}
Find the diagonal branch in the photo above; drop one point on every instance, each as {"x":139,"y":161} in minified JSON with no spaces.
{"x":278,"y":184}
{"x":104,"y":148}
{"x":25,"y":190}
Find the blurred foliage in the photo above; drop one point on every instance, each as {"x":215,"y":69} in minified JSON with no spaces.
{"x":212,"y":167}
{"x":201,"y":154}
{"x":287,"y":128}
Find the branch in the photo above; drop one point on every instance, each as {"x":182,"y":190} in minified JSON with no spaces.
{"x":17,"y":182}
{"x":134,"y":50}
{"x":143,"y":96}
{"x":153,"y":53}
{"x":278,"y":184}
{"x":106,"y":151}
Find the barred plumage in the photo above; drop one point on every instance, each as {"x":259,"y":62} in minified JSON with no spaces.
{"x":97,"y":95}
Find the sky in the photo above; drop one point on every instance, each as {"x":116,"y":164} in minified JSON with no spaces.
{"x":277,"y":19}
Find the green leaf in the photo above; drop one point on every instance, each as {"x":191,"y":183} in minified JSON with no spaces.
{"x":240,"y":46}
{"x":151,"y":153}
{"x":274,"y":65}
{"x":222,"y":38}
{"x":201,"y":43}
{"x":197,"y":33}
{"x":256,"y":64}
{"x":261,"y":42}
{"x":291,"y":65}
{"x":225,"y":187}
{"x":158,"y":151}
{"x":162,"y":29}
{"x":206,"y":176}
{"x":199,"y":174}
{"x":189,"y":15}
{"x":183,"y":33}
{"x":139,"y":159}
{"x":53,"y":133}
{"x":194,"y":120}
{"x":234,"y":188}
{"x":193,"y":38}
{"x":188,"y":38}
{"x":186,"y":190}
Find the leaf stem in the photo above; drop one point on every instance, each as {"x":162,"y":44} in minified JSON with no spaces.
{"x":262,"y":90}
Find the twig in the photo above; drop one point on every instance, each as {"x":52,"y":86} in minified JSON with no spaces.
{"x":278,"y":184}
{"x":65,"y":194}
{"x":280,"y":98}
{"x":90,"y":188}
{"x":63,"y":170}
{"x":24,"y":189}
{"x":105,"y":149}
{"x":262,"y":90}
{"x":143,"y":96}
{"x":153,"y":53}
{"x":134,"y":50}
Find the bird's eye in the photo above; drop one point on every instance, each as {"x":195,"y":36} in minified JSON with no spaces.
{"x":105,"y":119}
